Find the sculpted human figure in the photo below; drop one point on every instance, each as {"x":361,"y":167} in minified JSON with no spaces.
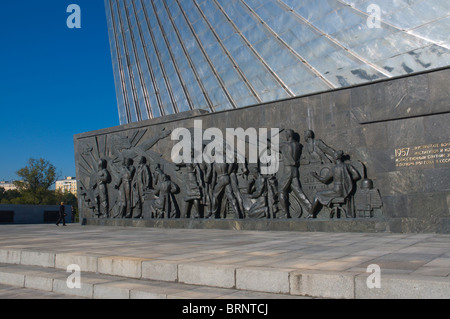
{"x":102,"y":178}
{"x":272,"y":187}
{"x":205,"y":175}
{"x":157,"y":175}
{"x":222,"y":186}
{"x":142,"y":183}
{"x":258,"y":189}
{"x":290,"y":151}
{"x":194,"y":194}
{"x":343,"y":175}
{"x":164,"y":205}
{"x":316,"y":150}
{"x":127,"y":172}
{"x":234,"y":169}
{"x":193,"y":185}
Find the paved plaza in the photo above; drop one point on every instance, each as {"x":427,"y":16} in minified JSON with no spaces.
{"x":137,"y":262}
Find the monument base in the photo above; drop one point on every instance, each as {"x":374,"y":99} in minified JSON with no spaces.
{"x":358,"y":225}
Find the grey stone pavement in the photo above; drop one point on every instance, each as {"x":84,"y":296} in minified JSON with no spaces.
{"x":11,"y":292}
{"x":269,"y":264}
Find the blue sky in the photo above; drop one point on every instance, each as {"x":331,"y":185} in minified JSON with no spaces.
{"x":55,"y":82}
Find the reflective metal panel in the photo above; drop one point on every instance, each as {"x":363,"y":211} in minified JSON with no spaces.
{"x":174,"y":55}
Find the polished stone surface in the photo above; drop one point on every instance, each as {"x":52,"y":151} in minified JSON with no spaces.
{"x":383,"y":124}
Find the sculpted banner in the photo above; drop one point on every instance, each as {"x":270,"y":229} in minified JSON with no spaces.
{"x":121,"y":176}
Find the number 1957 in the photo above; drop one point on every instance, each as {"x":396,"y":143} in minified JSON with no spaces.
{"x":399,"y":152}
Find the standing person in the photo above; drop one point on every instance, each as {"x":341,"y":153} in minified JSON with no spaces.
{"x":317,"y":152}
{"x":290,"y":151}
{"x":101,"y":196}
{"x":74,"y":212}
{"x":223,"y":186}
{"x":142,"y":183}
{"x":62,"y":215}
{"x":127,"y":172}
{"x":164,"y":206}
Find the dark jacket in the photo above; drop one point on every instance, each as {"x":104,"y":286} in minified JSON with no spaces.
{"x":62,"y":211}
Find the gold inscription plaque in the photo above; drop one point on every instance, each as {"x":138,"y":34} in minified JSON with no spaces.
{"x":423,"y":156}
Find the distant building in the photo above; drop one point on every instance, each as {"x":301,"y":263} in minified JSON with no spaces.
{"x":69,"y":184}
{"x":8,"y":186}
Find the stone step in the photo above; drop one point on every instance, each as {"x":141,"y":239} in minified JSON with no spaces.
{"x":118,"y":276}
{"x":98,"y":286}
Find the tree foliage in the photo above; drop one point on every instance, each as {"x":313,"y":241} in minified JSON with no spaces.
{"x":67,"y":197}
{"x":34,"y":187}
{"x":36,"y":179}
{"x":8,"y":196}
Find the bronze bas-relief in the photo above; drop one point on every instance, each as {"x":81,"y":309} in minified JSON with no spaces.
{"x":130,"y":180}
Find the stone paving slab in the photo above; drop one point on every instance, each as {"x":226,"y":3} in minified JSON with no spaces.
{"x":11,"y":292}
{"x":330,"y":265}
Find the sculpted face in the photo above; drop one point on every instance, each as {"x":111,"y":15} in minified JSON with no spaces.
{"x":101,"y":164}
{"x":288,"y":134}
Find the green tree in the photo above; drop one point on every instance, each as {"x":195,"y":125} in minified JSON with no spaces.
{"x":67,"y":197}
{"x":37,"y":177}
{"x":9,"y":196}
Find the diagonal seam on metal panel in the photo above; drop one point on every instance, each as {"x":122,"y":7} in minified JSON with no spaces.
{"x":258,"y":56}
{"x":149,"y":63}
{"x":291,"y":50}
{"x":119,"y":60}
{"x":191,"y":64}
{"x":158,"y":55}
{"x":354,"y":54}
{"x":130,"y":68}
{"x":138,"y":64}
{"x":235,"y":65}
{"x":408,"y":31}
{"x":174,"y":61}
{"x":211,"y":65}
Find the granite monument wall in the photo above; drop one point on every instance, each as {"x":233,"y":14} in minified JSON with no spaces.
{"x":395,"y":133}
